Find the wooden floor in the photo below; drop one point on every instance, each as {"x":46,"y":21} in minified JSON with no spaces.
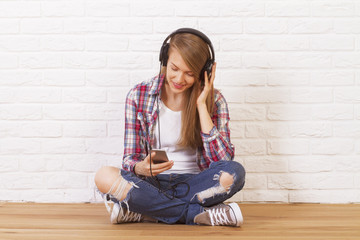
{"x":30,"y":221}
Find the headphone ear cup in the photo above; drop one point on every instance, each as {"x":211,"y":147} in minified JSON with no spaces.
{"x":164,"y":56}
{"x":208,"y":68}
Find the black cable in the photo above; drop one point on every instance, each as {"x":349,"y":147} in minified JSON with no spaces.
{"x":155,"y":178}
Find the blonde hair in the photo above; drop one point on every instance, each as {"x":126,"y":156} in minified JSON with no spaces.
{"x":195,"y":53}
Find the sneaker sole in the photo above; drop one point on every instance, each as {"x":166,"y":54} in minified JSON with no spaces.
{"x":237,"y":212}
{"x":114,"y":214}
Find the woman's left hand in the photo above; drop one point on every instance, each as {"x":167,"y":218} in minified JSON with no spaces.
{"x":207,"y":87}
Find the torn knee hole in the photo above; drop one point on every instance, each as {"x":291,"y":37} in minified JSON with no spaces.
{"x":226,"y":180}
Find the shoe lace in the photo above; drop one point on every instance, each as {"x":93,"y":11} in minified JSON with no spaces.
{"x":126,"y":216}
{"x":218,"y":216}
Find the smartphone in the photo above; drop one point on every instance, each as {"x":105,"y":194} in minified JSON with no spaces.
{"x":160,"y":156}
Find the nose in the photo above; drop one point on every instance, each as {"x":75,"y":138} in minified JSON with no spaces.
{"x":180,"y":77}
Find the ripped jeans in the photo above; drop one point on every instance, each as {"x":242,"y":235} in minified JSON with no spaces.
{"x":178,"y":200}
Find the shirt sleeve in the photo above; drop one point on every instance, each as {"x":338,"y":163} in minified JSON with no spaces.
{"x":134,"y":149}
{"x":217,"y":144}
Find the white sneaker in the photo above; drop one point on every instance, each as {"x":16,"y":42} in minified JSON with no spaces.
{"x":123,"y":215}
{"x":221,"y":215}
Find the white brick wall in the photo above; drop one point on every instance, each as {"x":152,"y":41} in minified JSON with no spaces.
{"x":289,"y":70}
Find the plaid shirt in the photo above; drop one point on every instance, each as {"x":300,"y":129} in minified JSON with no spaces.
{"x":141,"y":113}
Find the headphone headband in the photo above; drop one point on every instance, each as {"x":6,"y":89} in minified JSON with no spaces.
{"x":196,"y":33}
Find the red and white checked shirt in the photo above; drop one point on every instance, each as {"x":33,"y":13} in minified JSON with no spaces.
{"x":141,"y":112}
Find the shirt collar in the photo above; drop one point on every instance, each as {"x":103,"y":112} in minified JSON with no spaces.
{"x":157,"y":84}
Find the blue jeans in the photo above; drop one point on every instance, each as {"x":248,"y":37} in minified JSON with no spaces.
{"x":177,"y":201}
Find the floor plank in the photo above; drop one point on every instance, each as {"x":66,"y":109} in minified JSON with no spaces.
{"x":34,"y":221}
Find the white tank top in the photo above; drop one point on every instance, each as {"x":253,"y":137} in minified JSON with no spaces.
{"x":170,"y":128}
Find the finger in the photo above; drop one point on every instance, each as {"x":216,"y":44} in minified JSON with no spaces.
{"x":152,"y":155}
{"x":163,"y":169}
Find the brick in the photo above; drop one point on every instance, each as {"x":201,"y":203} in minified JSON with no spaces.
{"x":153,"y":9}
{"x":309,"y":26}
{"x":221,"y":26}
{"x":64,"y":112}
{"x":107,"y":8}
{"x":244,"y":113}
{"x":84,"y":129}
{"x":19,"y":44}
{"x":105,"y":112}
{"x":287,"y":9}
{"x":347,"y":60}
{"x":41,"y":129}
{"x":255,"y":181}
{"x":23,"y":181}
{"x":116,"y":128}
{"x":310,"y":129}
{"x":41,"y":60}
{"x":333,"y":8}
{"x":269,"y":195}
{"x":249,"y":147}
{"x":9,"y":26}
{"x":20,"y":112}
{"x":332,"y":112}
{"x":20,"y":77}
{"x":19,"y":146}
{"x":41,"y":25}
{"x":242,"y":78}
{"x":8,"y":61}
{"x":7,"y":95}
{"x":85,"y":25}
{"x":84,"y":95}
{"x":242,"y":43}
{"x":243,"y":9}
{"x":130,"y":61}
{"x":145,"y":44}
{"x":117,"y":95}
{"x":267,"y":130}
{"x":63,"y":43}
{"x":107,"y":78}
{"x":311,"y":164}
{"x":265,"y":26}
{"x":62,"y":8}
{"x":323,"y":196}
{"x":346,"y":26}
{"x":64,"y":180}
{"x":332,"y":43}
{"x":266,"y":95}
{"x":332,"y":78}
{"x":20,"y":9}
{"x":332,"y":146}
{"x":349,"y":164}
{"x":64,"y":78}
{"x":38,"y":95}
{"x":287,"y":112}
{"x":233,"y":94}
{"x":63,"y":146}
{"x":287,"y":43}
{"x":288,"y":78}
{"x":348,"y":129}
{"x":288,"y":147}
{"x":9,"y":163}
{"x":166,"y":25}
{"x":237,"y":129}
{"x":133,"y":25}
{"x":85,"y":61}
{"x":105,"y":145}
{"x":267,"y":164}
{"x":313,"y":95}
{"x":197,"y":9}
{"x":347,"y":95}
{"x":107,"y":44}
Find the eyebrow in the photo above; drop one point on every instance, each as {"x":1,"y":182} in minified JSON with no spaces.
{"x":179,"y":68}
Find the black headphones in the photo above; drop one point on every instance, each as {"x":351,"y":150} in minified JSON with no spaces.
{"x":164,"y":56}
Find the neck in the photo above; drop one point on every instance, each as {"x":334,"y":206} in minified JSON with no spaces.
{"x":172,"y":100}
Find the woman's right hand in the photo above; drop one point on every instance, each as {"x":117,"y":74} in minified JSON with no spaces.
{"x":143,"y":168}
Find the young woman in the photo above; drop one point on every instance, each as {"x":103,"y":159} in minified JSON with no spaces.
{"x":180,"y":112}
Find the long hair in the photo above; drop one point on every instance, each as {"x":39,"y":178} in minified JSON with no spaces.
{"x":195,"y":53}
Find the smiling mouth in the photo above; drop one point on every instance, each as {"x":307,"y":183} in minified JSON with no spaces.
{"x":178,"y":86}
